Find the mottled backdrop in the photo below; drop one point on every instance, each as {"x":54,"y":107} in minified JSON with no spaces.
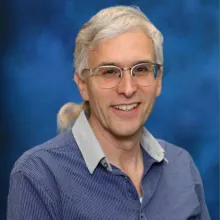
{"x":37,"y":40}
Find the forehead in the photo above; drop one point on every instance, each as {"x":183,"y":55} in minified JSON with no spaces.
{"x":124,"y":49}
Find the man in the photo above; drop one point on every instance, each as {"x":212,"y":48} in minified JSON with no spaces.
{"x":105,"y":164}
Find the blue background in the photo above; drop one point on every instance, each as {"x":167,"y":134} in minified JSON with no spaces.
{"x":37,"y":42}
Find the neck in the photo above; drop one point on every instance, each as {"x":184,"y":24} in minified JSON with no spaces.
{"x":123,"y":152}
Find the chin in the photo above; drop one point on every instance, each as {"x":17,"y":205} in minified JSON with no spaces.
{"x":125,"y":131}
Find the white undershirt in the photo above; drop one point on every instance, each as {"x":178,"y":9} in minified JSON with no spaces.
{"x":141,"y":199}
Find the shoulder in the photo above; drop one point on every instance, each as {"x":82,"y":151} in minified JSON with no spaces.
{"x":172,"y":151}
{"x":180,"y":161}
{"x":45,"y":155}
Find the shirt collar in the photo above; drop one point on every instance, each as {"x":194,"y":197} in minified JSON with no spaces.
{"x":92,"y":151}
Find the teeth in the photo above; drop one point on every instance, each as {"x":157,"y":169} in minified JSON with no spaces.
{"x":126,"y":107}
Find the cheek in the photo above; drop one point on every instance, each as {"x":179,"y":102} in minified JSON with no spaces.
{"x":93,"y":91}
{"x":148,"y":96}
{"x":97,"y":97}
{"x":148,"y":92}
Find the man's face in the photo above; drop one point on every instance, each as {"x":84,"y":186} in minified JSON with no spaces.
{"x":124,"y":50}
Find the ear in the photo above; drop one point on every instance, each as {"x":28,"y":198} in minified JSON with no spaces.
{"x":82,"y":86}
{"x":159,"y":83}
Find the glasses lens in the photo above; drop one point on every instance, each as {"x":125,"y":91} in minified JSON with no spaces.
{"x":144,"y":74}
{"x":109,"y":76}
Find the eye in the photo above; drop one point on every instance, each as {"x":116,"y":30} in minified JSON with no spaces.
{"x":142,"y":68}
{"x":109,"y":71}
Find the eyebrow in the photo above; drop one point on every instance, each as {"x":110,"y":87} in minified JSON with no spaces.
{"x":117,"y":64}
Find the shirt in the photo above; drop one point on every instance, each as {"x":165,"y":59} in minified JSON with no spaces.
{"x":69,"y":177}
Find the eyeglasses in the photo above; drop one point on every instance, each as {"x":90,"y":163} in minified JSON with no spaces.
{"x":109,"y":76}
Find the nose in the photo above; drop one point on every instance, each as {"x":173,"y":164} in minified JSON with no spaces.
{"x":127,"y":86}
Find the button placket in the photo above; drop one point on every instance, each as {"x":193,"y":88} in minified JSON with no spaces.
{"x":131,"y":188}
{"x":142,"y":215}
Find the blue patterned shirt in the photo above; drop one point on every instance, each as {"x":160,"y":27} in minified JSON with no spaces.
{"x":69,"y":177}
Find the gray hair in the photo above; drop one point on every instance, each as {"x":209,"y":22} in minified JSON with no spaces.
{"x":109,"y":23}
{"x":106,"y":24}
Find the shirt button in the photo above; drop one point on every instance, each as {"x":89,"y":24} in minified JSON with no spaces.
{"x":142,"y":215}
{"x":126,"y":178}
{"x":106,"y":165}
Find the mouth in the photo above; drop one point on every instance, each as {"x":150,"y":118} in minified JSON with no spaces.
{"x":126,"y":107}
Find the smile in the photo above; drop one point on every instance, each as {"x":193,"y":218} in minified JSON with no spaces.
{"x":126,"y":107}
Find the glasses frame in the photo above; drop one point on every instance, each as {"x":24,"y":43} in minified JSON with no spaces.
{"x":156,"y":68}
